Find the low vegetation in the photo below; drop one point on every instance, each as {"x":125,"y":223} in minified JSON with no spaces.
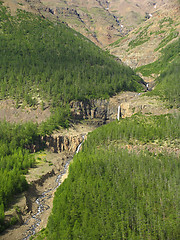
{"x":167,"y":66}
{"x":168,"y":54}
{"x":116,"y":43}
{"x":141,"y":38}
{"x":173,"y":34}
{"x":165,"y":21}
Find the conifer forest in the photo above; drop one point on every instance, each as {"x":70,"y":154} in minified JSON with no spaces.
{"x":124,"y":183}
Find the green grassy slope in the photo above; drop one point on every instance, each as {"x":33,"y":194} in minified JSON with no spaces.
{"x":168,"y":54}
{"x":168,"y":84}
{"x":167,"y":66}
{"x":115,"y":194}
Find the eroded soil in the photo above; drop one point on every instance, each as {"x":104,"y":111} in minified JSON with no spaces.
{"x":10,"y":113}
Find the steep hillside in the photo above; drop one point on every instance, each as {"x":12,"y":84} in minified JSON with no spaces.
{"x":110,"y":192}
{"x":51,"y":62}
{"x":143,"y":45}
{"x":168,"y":87}
{"x":101,"y":21}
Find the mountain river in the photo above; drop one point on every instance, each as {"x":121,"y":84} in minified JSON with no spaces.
{"x":40,"y":201}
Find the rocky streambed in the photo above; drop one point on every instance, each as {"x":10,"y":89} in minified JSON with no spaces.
{"x":42,"y":203}
{"x":33,"y":207}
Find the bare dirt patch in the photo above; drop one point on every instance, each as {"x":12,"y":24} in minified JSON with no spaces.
{"x":13,"y":5}
{"x":156,"y":147}
{"x":10,"y":113}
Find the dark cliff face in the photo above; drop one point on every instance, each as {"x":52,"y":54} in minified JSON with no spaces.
{"x":103,"y":111}
{"x":97,"y":109}
{"x":92,"y":109}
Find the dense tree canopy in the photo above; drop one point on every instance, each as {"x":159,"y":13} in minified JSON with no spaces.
{"x":14,"y":161}
{"x":112,"y":193}
{"x":168,"y":86}
{"x":50,"y":60}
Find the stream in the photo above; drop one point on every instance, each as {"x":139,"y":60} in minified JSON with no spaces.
{"x":44,"y":196}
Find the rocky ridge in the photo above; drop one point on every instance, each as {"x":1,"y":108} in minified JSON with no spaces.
{"x":101,"y":21}
{"x":57,"y":143}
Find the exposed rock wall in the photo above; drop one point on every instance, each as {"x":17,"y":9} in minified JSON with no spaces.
{"x":101,"y":109}
{"x":107,"y":110}
{"x":90,"y":109}
{"x":57,"y":143}
{"x":98,"y":112}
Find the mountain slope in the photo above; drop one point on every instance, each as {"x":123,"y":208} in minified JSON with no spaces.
{"x":101,"y":21}
{"x":51,"y":61}
{"x":45,"y":60}
{"x":42,"y":61}
{"x":142,"y":46}
{"x":167,"y":84}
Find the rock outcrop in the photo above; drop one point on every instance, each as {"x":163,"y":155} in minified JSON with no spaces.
{"x":104,"y":110}
{"x":90,"y":109}
{"x":98,"y":112}
{"x":107,"y":110}
{"x":57,"y":143}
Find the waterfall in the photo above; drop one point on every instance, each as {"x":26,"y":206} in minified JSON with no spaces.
{"x":119,"y":113}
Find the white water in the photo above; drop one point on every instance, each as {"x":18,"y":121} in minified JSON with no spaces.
{"x":78,"y":148}
{"x":119,"y":111}
{"x":45,"y":195}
